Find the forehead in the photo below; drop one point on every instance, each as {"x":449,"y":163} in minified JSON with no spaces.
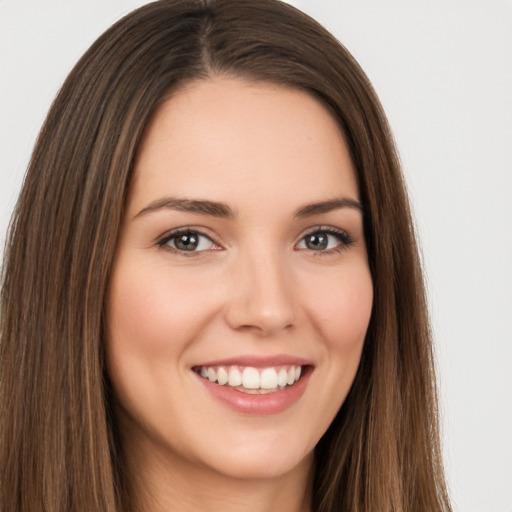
{"x":230,"y":140}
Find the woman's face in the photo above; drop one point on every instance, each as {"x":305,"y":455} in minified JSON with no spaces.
{"x":241,"y":262}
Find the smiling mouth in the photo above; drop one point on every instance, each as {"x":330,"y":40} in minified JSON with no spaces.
{"x":250,"y":380}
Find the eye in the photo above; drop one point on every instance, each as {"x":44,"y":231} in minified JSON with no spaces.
{"x":325,"y":240}
{"x":187,"y":241}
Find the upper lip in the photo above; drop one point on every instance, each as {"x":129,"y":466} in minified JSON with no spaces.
{"x":258,"y":361}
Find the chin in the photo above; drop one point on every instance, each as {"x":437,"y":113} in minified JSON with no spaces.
{"x":271,"y":464}
{"x":259,"y":457}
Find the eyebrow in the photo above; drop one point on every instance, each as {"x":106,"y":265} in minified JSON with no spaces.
{"x":201,"y":206}
{"x":328,"y":206}
{"x":222,"y":210}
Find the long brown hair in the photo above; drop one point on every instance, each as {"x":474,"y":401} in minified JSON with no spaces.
{"x":59,"y":449}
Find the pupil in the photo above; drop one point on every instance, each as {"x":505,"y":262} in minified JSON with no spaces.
{"x":187,"y":242}
{"x":317,"y":241}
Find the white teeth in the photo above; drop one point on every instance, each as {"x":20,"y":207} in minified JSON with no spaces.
{"x":268,"y":379}
{"x":212,"y":375}
{"x":235,"y":377}
{"x":251,"y":379}
{"x":222,"y":376}
{"x":282,"y":378}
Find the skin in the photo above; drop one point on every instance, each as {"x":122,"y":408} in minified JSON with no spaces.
{"x":257,"y":288}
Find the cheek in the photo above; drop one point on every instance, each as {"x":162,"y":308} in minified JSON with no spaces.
{"x":153,"y":317}
{"x":343,"y":312}
{"x":339,"y":311}
{"x":150,"y":324}
{"x":154,"y":310}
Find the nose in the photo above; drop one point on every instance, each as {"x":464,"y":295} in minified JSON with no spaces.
{"x":261,"y":295}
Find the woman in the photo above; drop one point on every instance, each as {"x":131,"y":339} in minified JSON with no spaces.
{"x":212,"y":295}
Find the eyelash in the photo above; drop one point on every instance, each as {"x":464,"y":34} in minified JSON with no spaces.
{"x":163,"y":242}
{"x":341,"y":235}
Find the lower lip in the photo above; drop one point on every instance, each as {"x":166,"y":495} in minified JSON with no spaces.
{"x":259,"y":405}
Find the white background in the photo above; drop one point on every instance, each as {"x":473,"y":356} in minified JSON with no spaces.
{"x":443,"y":70}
